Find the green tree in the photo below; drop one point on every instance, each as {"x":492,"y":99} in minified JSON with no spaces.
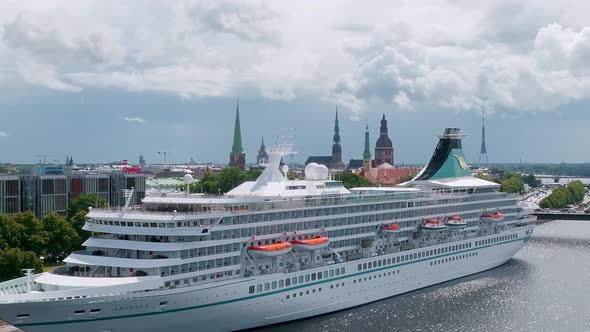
{"x":230,"y":177}
{"x":32,"y":236}
{"x":512,"y":184}
{"x":14,"y":260}
{"x":485,"y":177}
{"x":61,"y":238}
{"x":563,"y":196}
{"x":532,"y":181}
{"x":252,"y":174}
{"x":83,"y":202}
{"x":10,"y":232}
{"x":351,"y":180}
{"x":577,"y":191}
{"x":78,"y":221}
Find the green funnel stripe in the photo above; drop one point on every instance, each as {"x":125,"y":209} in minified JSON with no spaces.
{"x":454,"y":166}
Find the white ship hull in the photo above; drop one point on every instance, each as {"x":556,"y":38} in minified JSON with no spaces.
{"x":232,"y":307}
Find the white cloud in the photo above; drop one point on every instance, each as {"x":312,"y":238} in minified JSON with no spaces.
{"x":134,"y":120}
{"x":44,"y":75}
{"x":452,"y":54}
{"x":3,"y":134}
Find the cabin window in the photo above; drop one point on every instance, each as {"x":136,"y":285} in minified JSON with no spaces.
{"x":319,"y":275}
{"x":259,"y":288}
{"x":288,"y":282}
{"x":307,"y":278}
{"x":266,"y":286}
{"x":79,"y":312}
{"x":94,"y":311}
{"x":250,"y":291}
{"x":281,"y":283}
{"x":313,"y":276}
{"x":274,"y":285}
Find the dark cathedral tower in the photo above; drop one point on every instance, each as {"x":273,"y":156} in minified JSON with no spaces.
{"x":237,"y":157}
{"x":262,"y":156}
{"x":336,"y":147}
{"x":384,"y":147}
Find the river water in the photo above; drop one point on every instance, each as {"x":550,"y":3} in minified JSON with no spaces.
{"x":545,"y":287}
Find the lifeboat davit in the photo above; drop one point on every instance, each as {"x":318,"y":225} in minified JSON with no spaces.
{"x":270,"y":250}
{"x":316,"y":243}
{"x":492,"y":217}
{"x":455,"y":222}
{"x":390,"y":228}
{"x":433,"y":225}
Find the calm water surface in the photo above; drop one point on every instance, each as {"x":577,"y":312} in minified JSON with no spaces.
{"x":545,"y":287}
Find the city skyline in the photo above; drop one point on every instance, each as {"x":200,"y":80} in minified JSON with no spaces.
{"x":115,"y":87}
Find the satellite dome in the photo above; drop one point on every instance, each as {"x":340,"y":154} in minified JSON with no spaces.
{"x":187,"y":179}
{"x":314,"y":171}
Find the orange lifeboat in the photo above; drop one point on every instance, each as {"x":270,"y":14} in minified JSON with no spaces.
{"x":390,"y":228}
{"x":270,"y":250}
{"x":491,"y":217}
{"x":316,"y":243}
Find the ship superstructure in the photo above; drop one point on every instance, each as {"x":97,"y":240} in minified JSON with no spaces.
{"x":272,"y":250}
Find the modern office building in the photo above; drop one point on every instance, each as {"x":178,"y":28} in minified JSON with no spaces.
{"x":9,"y":194}
{"x":46,"y":189}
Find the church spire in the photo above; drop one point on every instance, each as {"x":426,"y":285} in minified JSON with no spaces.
{"x":336,"y":129}
{"x":336,"y":147}
{"x":237,"y":146}
{"x":237,"y":157}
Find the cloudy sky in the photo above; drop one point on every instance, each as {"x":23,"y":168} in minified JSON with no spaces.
{"x":108,"y":80}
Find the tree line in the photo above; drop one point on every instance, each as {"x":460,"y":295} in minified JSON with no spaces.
{"x":27,"y":242}
{"x":513,"y":182}
{"x":561,"y":197}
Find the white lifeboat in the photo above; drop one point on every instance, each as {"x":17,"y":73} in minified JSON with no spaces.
{"x":316,"y":243}
{"x":433,"y":225}
{"x":270,"y":250}
{"x":455,"y":222}
{"x":492,"y":217}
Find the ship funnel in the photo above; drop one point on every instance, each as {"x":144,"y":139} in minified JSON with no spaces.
{"x":448,"y":159}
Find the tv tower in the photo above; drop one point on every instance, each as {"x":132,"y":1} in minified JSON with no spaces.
{"x":483,"y":154}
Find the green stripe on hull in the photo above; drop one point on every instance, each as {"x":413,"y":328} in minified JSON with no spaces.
{"x":269,"y":293}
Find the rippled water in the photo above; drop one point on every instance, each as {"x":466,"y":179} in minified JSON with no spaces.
{"x":545,"y":287}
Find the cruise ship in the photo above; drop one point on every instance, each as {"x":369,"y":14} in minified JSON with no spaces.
{"x":272,"y":250}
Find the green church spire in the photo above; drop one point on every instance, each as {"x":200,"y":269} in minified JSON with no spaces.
{"x":237,"y":146}
{"x":367,"y":153}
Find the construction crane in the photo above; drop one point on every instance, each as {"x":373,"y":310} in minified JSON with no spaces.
{"x":44,"y":156}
